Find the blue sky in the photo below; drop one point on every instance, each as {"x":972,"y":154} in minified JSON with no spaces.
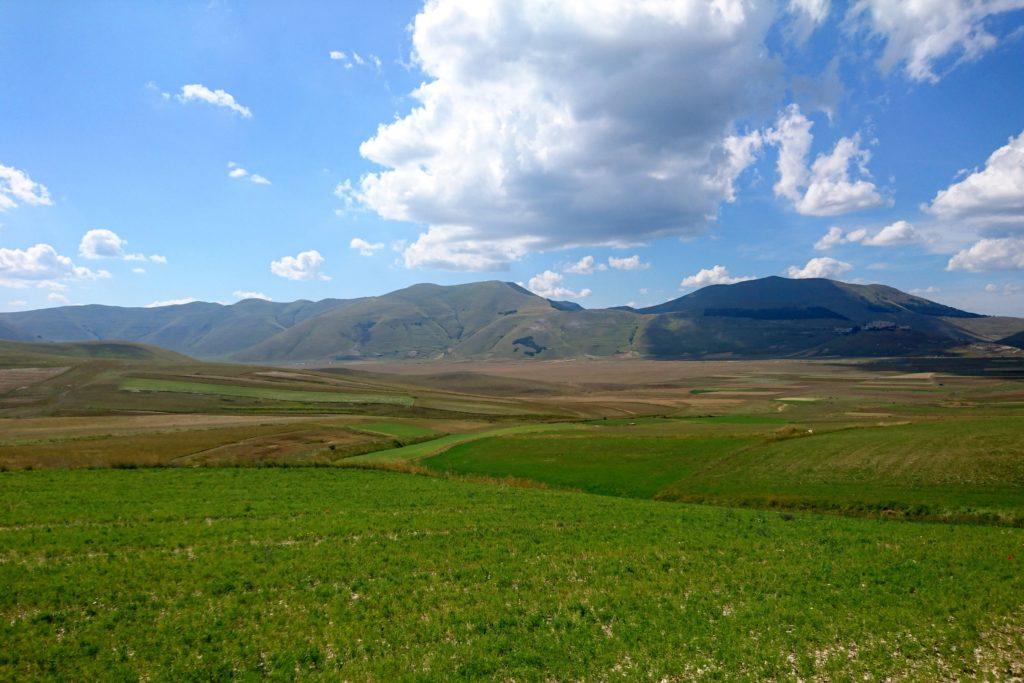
{"x":608,"y":152}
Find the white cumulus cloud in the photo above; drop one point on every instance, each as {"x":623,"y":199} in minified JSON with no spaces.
{"x":990,"y":197}
{"x":547,"y":125}
{"x":585,"y":266}
{"x":920,"y":33}
{"x":101,"y":244}
{"x":303,"y":266}
{"x":41,"y":266}
{"x":454,"y":247}
{"x":1002,"y":253}
{"x":628,"y":263}
{"x":364,"y":247}
{"x":16,"y":186}
{"x":895,"y":234}
{"x":825,"y":188}
{"x":549,"y":285}
{"x":716,"y":275}
{"x":196,"y":92}
{"x":823,"y":266}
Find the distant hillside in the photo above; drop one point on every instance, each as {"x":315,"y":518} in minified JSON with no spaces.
{"x":789,"y":297}
{"x":776,"y":316}
{"x":1015,"y":340}
{"x":992,"y":328}
{"x":19,"y":353}
{"x":200,"y":329}
{"x":770,"y":317}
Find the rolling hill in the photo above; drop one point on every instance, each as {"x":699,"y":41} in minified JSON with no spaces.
{"x":769,"y":317}
{"x":13,"y":353}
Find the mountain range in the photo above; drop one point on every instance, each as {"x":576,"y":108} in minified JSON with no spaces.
{"x":767,"y":317}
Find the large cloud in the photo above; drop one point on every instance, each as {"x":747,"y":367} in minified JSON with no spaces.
{"x":990,"y":197}
{"x":986,"y":208}
{"x":550,"y":124}
{"x":920,"y":33}
{"x":825,"y":188}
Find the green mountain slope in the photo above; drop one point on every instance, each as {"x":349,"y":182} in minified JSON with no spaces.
{"x":421,"y":321}
{"x":770,"y":317}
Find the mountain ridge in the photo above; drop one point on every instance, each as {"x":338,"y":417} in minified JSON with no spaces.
{"x":768,"y":317}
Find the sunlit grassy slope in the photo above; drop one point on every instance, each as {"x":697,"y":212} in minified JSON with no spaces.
{"x":219,"y":573}
{"x":959,"y":468}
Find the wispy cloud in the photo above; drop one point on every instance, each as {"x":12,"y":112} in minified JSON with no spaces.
{"x":196,"y":92}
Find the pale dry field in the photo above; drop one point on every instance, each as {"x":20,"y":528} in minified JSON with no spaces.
{"x":22,"y":378}
{"x":621,"y":387}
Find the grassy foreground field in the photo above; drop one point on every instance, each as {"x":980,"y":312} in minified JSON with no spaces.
{"x":214,"y":573}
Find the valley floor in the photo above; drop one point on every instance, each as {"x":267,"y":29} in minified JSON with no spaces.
{"x":174,"y":519}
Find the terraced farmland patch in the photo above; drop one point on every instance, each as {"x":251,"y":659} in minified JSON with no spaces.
{"x":21,"y":378}
{"x":268,"y":393}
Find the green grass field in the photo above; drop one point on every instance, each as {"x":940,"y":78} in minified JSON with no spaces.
{"x":963,"y":469}
{"x":218,"y":573}
{"x":418,"y":451}
{"x":617,"y":465}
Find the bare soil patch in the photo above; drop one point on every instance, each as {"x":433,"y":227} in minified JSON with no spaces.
{"x":12,"y":379}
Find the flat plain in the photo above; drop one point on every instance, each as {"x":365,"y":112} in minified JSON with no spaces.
{"x":165,"y":518}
